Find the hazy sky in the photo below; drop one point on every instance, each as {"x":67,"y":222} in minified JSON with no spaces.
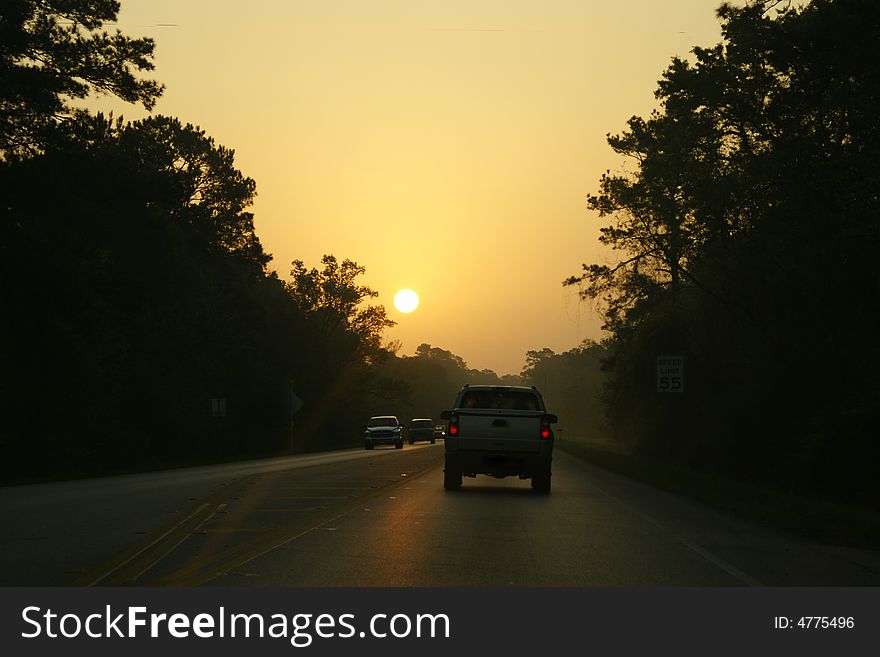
{"x":448,"y":146}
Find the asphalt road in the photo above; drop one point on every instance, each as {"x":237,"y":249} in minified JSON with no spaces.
{"x":382,"y":518}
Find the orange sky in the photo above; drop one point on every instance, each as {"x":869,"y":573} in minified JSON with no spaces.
{"x":446,"y":146}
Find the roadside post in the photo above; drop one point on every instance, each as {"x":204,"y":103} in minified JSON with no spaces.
{"x":295,"y":404}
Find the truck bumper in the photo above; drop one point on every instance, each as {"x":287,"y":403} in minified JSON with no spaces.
{"x":500,"y":463}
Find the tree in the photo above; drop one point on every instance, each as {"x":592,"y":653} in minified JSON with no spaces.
{"x":534,"y":358}
{"x":442,"y":357}
{"x":205,"y":186}
{"x":133,"y":279}
{"x":54,"y":51}
{"x":766,"y":137}
{"x":183,"y":171}
{"x":663,"y":213}
{"x":332,"y":297}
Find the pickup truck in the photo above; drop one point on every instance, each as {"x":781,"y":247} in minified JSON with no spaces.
{"x":500,"y":431}
{"x":383,"y":430}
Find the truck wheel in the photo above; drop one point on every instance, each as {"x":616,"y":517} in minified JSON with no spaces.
{"x":541,"y":482}
{"x":451,"y":479}
{"x":368,"y":444}
{"x":398,"y":444}
{"x":433,"y":440}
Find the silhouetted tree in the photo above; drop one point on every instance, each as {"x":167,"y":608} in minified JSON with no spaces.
{"x":535,"y":357}
{"x":53,"y":51}
{"x":332,"y":297}
{"x":203,"y":186}
{"x":443,"y":357}
{"x":343,"y":337}
{"x":745,"y":235}
{"x":149,"y":298}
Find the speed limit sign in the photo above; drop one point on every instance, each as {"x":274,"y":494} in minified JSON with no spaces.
{"x":670,"y":374}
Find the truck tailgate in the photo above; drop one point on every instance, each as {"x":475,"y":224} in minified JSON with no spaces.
{"x":501,"y":431}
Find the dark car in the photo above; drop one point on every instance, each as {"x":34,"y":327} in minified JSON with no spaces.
{"x":383,"y":430}
{"x":420,"y":429}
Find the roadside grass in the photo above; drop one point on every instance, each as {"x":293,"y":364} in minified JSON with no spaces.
{"x":820,"y":519}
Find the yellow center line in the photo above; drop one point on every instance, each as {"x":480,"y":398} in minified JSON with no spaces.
{"x":307,"y":497}
{"x":265,"y":539}
{"x":235,"y":513}
{"x":189,"y":576}
{"x":162,"y":554}
{"x":134,"y":556}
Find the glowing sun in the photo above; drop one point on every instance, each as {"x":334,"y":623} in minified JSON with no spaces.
{"x":406,"y":301}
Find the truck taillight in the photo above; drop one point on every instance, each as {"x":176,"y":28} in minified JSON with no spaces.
{"x":545,"y":431}
{"x":453,"y":426}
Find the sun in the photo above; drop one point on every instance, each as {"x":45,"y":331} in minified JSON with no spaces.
{"x":406,"y":301}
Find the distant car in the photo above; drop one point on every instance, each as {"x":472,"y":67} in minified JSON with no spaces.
{"x":420,"y":429}
{"x":439,"y":431}
{"x":383,"y":430}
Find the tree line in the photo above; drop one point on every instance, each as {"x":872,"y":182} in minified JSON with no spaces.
{"x":141,"y":325}
{"x":747,"y":238}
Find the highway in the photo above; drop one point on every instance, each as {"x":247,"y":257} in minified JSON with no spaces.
{"x":382,"y":518}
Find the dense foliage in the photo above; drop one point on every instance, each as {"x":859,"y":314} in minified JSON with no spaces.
{"x":134,"y":293}
{"x":748,"y":235}
{"x":56,"y":51}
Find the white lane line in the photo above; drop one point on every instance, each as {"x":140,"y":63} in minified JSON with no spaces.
{"x":727,"y":567}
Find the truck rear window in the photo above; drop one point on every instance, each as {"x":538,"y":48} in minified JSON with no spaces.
{"x":511,"y":400}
